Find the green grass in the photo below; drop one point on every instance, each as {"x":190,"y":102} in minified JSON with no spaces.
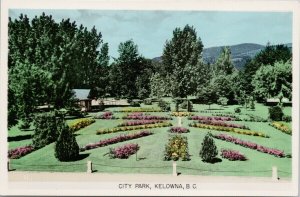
{"x":150,"y":155}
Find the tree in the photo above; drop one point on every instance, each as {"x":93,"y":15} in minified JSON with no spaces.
{"x":159,"y":85}
{"x":208,"y":149}
{"x":46,"y":129}
{"x":125,"y":70}
{"x":224,"y":64}
{"x":66,"y":147}
{"x":180,"y":56}
{"x":272,"y":81}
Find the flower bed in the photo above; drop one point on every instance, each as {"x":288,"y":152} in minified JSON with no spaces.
{"x":106,"y":116}
{"x":120,"y":129}
{"x":282,"y":127}
{"x":146,"y":117}
{"x":251,"y":145}
{"x":117,"y":139}
{"x":81,"y":123}
{"x":123,"y":152}
{"x":132,"y":109}
{"x":228,"y":129}
{"x":223,"y":124}
{"x":20,"y":152}
{"x":180,"y":114}
{"x":232,"y":155}
{"x":178,"y":130}
{"x":215,"y":118}
{"x":139,"y":122}
{"x":177,"y":148}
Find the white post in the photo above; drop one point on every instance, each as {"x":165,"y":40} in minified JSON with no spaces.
{"x":179,"y":121}
{"x":274,"y":173}
{"x":89,"y":167}
{"x":174,"y":168}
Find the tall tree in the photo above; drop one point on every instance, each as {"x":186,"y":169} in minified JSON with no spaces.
{"x":180,"y":58}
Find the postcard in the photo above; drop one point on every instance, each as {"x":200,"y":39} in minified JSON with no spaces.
{"x":157,"y":98}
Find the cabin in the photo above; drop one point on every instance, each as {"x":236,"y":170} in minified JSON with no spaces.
{"x":82,"y":98}
{"x":275,"y":101}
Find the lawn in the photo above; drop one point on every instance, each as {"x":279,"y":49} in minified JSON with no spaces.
{"x":149,"y":158}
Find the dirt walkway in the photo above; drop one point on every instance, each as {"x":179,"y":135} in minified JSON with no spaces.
{"x":98,"y":177}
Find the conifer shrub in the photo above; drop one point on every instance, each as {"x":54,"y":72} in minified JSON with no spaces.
{"x":275,"y":113}
{"x":66,"y":147}
{"x":208,"y":150}
{"x":46,"y":130}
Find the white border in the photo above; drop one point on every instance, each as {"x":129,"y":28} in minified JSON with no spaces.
{"x":74,"y":188}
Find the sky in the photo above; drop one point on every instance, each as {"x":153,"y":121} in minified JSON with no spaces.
{"x":150,"y":29}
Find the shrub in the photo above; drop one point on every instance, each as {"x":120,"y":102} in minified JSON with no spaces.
{"x":184,"y":104}
{"x":123,"y":152}
{"x":25,"y":124}
{"x":177,"y":148}
{"x":81,"y":123}
{"x":237,"y":110}
{"x":106,"y":115}
{"x":46,"y":130}
{"x":164,"y":105}
{"x":232,"y":155}
{"x":252,"y":104}
{"x":117,"y":139}
{"x":148,"y":101}
{"x":135,"y":104}
{"x":20,"y":152}
{"x":275,"y":113}
{"x":208,"y":149}
{"x":178,"y":130}
{"x":287,"y":118}
{"x":66,"y":147}
{"x":222,"y":101}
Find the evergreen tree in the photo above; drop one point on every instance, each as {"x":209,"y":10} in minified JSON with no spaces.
{"x":46,"y":129}
{"x":66,"y":147}
{"x":208,"y":149}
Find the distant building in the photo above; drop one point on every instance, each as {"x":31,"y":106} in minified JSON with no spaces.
{"x":82,"y":98}
{"x":275,"y":101}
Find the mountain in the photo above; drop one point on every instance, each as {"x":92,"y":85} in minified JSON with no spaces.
{"x":239,"y":53}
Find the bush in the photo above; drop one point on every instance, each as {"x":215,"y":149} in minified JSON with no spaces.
{"x":252,"y":105}
{"x":81,"y":123}
{"x":123,"y":152}
{"x":208,"y":150}
{"x":135,"y":104}
{"x":177,"y":148}
{"x":165,"y":106}
{"x":287,"y":118}
{"x":184,"y":105}
{"x":66,"y":147}
{"x":148,"y":101}
{"x":46,"y":130}
{"x":222,"y":101}
{"x":275,"y":113}
{"x":237,"y":110}
{"x":25,"y":124}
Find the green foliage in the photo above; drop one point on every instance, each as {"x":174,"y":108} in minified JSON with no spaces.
{"x":287,"y":118}
{"x":273,"y":81}
{"x":224,"y":64}
{"x":275,"y":113}
{"x":222,"y":101}
{"x":159,"y":85}
{"x":164,"y":105}
{"x":148,"y":101}
{"x":177,"y":148}
{"x":47,"y":59}
{"x":208,"y":149}
{"x":66,"y":147}
{"x":180,"y":60}
{"x":237,"y":110}
{"x":135,"y":104}
{"x":46,"y":129}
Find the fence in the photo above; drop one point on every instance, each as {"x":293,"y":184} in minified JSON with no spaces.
{"x":175,"y":169}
